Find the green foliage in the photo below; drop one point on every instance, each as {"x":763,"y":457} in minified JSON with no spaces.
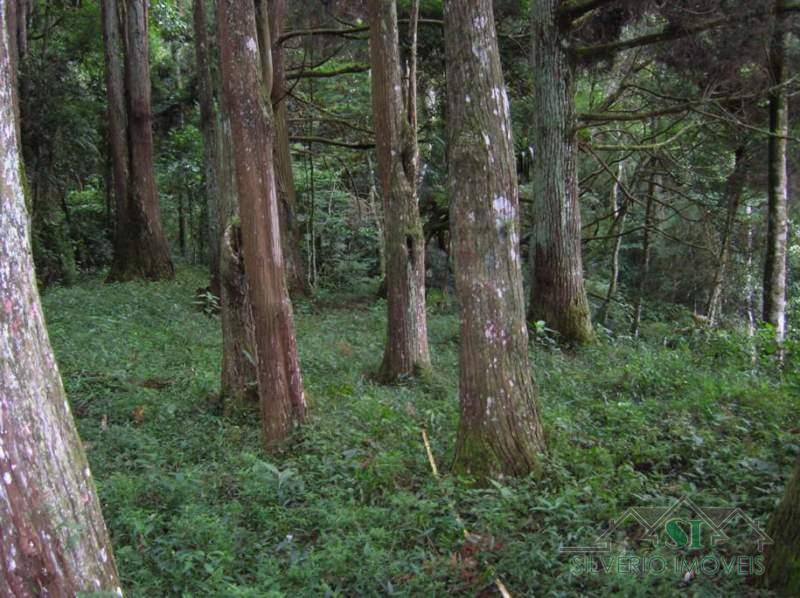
{"x":349,"y":506}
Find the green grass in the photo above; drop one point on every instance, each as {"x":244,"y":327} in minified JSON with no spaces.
{"x":349,"y":507}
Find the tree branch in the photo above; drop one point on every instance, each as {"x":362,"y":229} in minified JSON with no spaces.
{"x":361,"y":145}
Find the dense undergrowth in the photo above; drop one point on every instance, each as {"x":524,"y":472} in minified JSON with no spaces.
{"x":350,"y":507}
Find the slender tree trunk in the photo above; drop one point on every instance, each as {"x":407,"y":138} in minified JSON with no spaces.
{"x":406,"y":352}
{"x":46,"y":489}
{"x":280,"y":386}
{"x":733,"y":194}
{"x":141,"y":249}
{"x":644,"y":274}
{"x":499,"y":430}
{"x":783,"y":557}
{"x":774,"y":306}
{"x":291,"y":230}
{"x":211,"y":136}
{"x":617,"y":230}
{"x":558,"y":295}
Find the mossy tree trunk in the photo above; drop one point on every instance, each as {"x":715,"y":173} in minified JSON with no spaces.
{"x":783,"y":557}
{"x":280,"y":386}
{"x":499,"y":430}
{"x":558,"y":296}
{"x":46,"y":489}
{"x":774,"y":304}
{"x":406,"y":353}
{"x":140,"y":247}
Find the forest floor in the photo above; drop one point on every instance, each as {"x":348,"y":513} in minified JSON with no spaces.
{"x":350,"y":508}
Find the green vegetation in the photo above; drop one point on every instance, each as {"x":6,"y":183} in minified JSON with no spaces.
{"x":349,"y":507}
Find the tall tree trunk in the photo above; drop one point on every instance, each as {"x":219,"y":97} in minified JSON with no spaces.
{"x":239,"y":373}
{"x":499,"y":430}
{"x":733,"y":194}
{"x":46,"y":489}
{"x":291,"y":230}
{"x":774,"y":307}
{"x":140,"y":249}
{"x":644,"y":273}
{"x":783,"y":557}
{"x":406,"y":352}
{"x":280,"y":386}
{"x":211,"y":136}
{"x":558,"y":295}
{"x":617,"y":231}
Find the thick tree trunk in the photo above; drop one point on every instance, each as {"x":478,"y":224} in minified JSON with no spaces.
{"x":46,"y":489}
{"x":733,"y":194}
{"x":406,"y":352}
{"x":499,"y":430}
{"x":774,"y":307}
{"x":291,"y":230}
{"x":211,"y":136}
{"x":558,"y":295}
{"x":239,"y":375}
{"x":280,"y":386}
{"x":783,"y":557}
{"x":140,"y":249}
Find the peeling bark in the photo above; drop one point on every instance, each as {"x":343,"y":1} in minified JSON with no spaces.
{"x":280,"y":386}
{"x":53,"y":540}
{"x":558,"y":295}
{"x":499,"y":430}
{"x":406,"y":353}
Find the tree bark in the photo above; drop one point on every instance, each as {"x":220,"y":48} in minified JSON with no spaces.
{"x":774,"y":304}
{"x":499,"y":430}
{"x":558,"y":295}
{"x":617,"y":230}
{"x":291,"y":230}
{"x":280,"y":386}
{"x":211,"y":136}
{"x":46,"y":488}
{"x":406,"y":353}
{"x":733,"y":194}
{"x":644,"y":273}
{"x":783,"y":557}
{"x":140,"y":249}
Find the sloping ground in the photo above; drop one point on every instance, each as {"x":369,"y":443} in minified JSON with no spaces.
{"x":350,"y":506}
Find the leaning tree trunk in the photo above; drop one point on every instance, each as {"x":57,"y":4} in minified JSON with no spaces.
{"x":46,"y":489}
{"x":774,"y":308}
{"x":140,"y":249}
{"x":558,"y":295}
{"x":733,"y":194}
{"x":211,"y":136}
{"x":291,"y":230}
{"x":783,"y":557}
{"x":280,"y":386}
{"x":406,"y":352}
{"x":499,"y":429}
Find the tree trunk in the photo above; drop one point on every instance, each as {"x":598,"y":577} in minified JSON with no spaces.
{"x":211,"y":136}
{"x":406,"y":352}
{"x":280,"y":386}
{"x":46,"y":488}
{"x":140,"y":249}
{"x":239,"y":374}
{"x":291,"y":231}
{"x":774,"y":308}
{"x":499,"y":429}
{"x":733,"y":193}
{"x":558,"y":295}
{"x":644,"y":274}
{"x":783,"y":557}
{"x":617,"y":231}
